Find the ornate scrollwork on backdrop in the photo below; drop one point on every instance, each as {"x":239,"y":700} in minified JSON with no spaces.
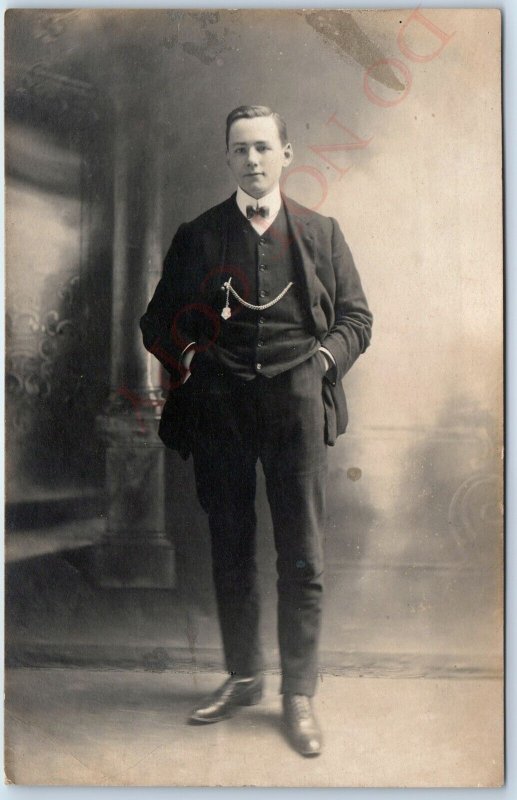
{"x":56,"y":96}
{"x":51,"y":25}
{"x":36,"y":341}
{"x":48,"y":396}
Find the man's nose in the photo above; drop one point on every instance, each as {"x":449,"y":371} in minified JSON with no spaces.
{"x":252,"y":156}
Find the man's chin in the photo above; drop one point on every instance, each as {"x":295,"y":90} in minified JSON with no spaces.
{"x":255,"y":188}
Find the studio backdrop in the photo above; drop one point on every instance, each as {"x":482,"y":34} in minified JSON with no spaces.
{"x":114,"y":137}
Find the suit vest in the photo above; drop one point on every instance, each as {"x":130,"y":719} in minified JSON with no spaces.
{"x":273,"y":340}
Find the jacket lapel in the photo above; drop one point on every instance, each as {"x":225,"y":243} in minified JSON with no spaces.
{"x":215,"y":239}
{"x":302,"y":238}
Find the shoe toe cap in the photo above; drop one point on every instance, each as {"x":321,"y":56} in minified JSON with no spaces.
{"x":312,"y":747}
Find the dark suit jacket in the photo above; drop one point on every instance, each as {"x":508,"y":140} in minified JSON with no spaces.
{"x":193,"y":271}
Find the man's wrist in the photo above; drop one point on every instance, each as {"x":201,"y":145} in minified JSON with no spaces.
{"x":187,"y":349}
{"x":326,"y":359}
{"x":186,"y":359}
{"x":330,"y":361}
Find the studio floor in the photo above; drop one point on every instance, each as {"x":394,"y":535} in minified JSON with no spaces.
{"x":128,"y":728}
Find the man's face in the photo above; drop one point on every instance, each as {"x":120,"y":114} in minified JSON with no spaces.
{"x":256,"y":156}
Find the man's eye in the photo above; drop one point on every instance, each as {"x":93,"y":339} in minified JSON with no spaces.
{"x":240,"y":150}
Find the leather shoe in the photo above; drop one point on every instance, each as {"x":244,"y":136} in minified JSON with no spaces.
{"x":302,"y":728}
{"x":233,"y":693}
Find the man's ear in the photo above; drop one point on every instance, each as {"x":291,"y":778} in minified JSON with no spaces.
{"x":288,"y":154}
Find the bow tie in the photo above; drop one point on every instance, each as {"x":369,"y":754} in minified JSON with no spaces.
{"x":262,"y":211}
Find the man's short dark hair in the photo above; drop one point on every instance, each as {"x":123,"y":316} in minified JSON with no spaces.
{"x":250,"y":112}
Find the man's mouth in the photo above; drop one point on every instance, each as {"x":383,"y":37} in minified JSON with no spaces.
{"x":253,"y":174}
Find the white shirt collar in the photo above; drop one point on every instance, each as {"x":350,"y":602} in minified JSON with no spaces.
{"x":273,"y":201}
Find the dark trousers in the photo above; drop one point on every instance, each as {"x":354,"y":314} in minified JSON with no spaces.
{"x":280,"y":421}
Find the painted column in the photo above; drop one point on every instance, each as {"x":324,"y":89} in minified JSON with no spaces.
{"x":135,"y":551}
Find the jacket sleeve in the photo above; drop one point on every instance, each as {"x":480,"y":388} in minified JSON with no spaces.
{"x":351,"y":332}
{"x":168,"y":323}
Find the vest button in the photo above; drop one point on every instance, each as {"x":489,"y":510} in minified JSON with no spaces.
{"x":262,"y":267}
{"x":262,"y":320}
{"x":260,"y":342}
{"x":263,"y":293}
{"x":259,"y":366}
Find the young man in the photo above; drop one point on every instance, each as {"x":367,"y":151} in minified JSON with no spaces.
{"x":258,"y":316}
